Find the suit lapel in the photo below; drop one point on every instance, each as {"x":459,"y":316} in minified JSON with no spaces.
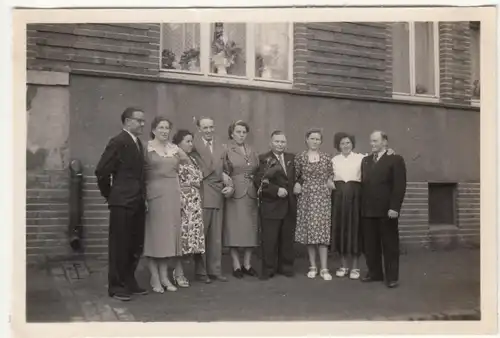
{"x":204,"y":152}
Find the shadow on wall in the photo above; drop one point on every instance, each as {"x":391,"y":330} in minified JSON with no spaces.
{"x":47,"y":127}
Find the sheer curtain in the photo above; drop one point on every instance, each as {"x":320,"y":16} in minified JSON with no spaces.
{"x":425,"y":67}
{"x":401,"y":58}
{"x":181,"y":46}
{"x":271,"y":51}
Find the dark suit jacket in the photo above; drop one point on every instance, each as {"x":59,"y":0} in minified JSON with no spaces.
{"x":120,"y":172}
{"x":211,"y":165}
{"x":272,"y":206}
{"x":383,"y":185}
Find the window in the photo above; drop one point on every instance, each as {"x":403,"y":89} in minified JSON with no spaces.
{"x":260,"y":54}
{"x":475,"y":53}
{"x":415,"y":68}
{"x":442,"y":203}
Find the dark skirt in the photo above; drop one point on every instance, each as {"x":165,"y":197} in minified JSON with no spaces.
{"x":346,"y":218}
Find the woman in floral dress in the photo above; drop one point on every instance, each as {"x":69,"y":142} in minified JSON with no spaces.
{"x":314,"y":186}
{"x":190,"y":177}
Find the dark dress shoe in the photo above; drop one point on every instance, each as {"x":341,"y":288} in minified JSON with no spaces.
{"x":393,"y":284}
{"x":204,"y":279}
{"x":138,"y":291}
{"x":238,"y":273}
{"x":266,"y":276}
{"x":249,"y":272}
{"x":287,"y":273}
{"x":218,"y":278}
{"x":124,"y":297}
{"x":369,"y":279}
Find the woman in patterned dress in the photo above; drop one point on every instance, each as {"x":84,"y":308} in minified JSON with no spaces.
{"x":314,"y":186}
{"x":190,"y":177}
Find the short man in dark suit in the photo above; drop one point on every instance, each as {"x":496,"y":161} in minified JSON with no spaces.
{"x":208,"y":152}
{"x":120,"y":177}
{"x":275,"y":179}
{"x":383,"y":181}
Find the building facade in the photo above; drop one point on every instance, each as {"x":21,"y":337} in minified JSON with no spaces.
{"x":417,"y":81}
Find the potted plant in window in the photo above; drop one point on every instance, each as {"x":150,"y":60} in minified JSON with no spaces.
{"x":421,"y":89}
{"x":190,"y":60}
{"x":224,"y":54}
{"x":167,"y":59}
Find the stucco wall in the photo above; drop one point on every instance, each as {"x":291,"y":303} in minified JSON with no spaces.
{"x":439,"y":144}
{"x":48,"y":127}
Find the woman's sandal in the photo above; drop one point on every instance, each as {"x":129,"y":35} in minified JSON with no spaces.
{"x":181,"y":281}
{"x":325,"y":274}
{"x":157,"y":288}
{"x":342,"y":272}
{"x":169,"y":286}
{"x":313,"y":272}
{"x":355,"y":274}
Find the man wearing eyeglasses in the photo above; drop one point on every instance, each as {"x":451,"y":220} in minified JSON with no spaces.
{"x":121,"y":181}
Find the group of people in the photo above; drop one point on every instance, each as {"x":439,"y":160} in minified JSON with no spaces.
{"x":189,"y":195}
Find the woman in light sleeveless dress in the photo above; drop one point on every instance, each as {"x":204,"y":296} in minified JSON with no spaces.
{"x":162,"y":240}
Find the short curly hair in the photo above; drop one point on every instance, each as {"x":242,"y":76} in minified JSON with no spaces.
{"x":340,"y":136}
{"x":180,"y":135}
{"x":233,"y":125}
{"x":314,"y":131}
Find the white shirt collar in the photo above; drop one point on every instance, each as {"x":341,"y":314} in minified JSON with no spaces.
{"x":206,"y":141}
{"x":381,"y":153}
{"x":132,"y":135}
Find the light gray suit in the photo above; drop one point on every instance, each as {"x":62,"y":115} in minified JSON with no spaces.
{"x":213,"y":202}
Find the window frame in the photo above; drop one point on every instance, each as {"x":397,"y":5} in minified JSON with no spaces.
{"x":475,"y":26}
{"x":413,"y":96}
{"x":250,"y":79}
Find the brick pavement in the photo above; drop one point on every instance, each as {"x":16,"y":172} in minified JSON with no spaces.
{"x":434,"y":286}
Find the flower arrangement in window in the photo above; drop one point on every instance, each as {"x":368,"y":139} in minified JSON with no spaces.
{"x":190,"y":60}
{"x":167,"y":59}
{"x":224,"y":54}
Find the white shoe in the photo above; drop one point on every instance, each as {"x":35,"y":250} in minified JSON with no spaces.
{"x":342,"y":272}
{"x":325,"y":274}
{"x":313,"y":272}
{"x":354,"y":274}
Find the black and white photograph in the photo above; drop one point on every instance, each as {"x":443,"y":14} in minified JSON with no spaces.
{"x":204,"y":168}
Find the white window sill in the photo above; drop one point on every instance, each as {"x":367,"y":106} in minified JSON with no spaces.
{"x":415,"y":98}
{"x":226,"y":79}
{"x":475,"y":103}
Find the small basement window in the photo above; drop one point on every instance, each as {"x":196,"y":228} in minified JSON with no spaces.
{"x":442,"y":203}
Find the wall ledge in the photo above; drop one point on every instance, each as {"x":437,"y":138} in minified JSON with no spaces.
{"x":47,"y":78}
{"x":294,"y":91}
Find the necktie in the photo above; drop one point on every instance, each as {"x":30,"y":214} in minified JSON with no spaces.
{"x":209,"y":145}
{"x":139,"y":145}
{"x":375,"y":157}
{"x":282,"y":161}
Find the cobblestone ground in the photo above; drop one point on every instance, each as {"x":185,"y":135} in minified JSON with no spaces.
{"x":434,"y":286}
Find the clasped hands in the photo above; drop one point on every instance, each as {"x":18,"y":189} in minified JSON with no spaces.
{"x":297,"y":188}
{"x":228,"y":189}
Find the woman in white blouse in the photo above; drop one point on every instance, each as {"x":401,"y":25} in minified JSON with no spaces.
{"x":347,"y":204}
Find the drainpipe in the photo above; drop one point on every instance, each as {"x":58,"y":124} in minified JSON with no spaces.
{"x":75,"y":230}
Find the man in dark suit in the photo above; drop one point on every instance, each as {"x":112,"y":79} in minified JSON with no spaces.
{"x":383,"y":180}
{"x":208,"y":153}
{"x":120,"y":177}
{"x":275,"y":179}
